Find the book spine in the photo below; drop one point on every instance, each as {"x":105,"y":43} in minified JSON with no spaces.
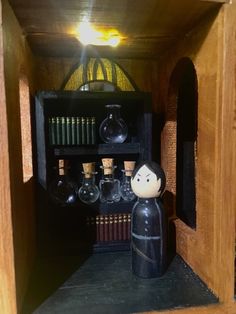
{"x":58,"y":131}
{"x":68,"y":130}
{"x":106,"y":228}
{"x":78,"y":131}
{"x":83,"y":138}
{"x":125,"y":225}
{"x":111,"y":228}
{"x":54,"y":131}
{"x":73,"y":131}
{"x":101,"y":228}
{"x":97,"y":229}
{"x":63,"y":131}
{"x":129,"y":227}
{"x":50,"y":132}
{"x":93,"y":130}
{"x":120,"y":227}
{"x":115,"y":230}
{"x":88,"y":126}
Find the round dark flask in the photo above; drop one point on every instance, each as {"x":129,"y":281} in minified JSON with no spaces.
{"x":63,"y":190}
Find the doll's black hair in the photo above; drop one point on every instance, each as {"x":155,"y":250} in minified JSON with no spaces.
{"x":155,"y":168}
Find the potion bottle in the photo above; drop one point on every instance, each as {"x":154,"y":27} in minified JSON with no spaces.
{"x":108,"y":185}
{"x":63,"y":190}
{"x":113,"y":129}
{"x":125,"y":188}
{"x":89,"y":192}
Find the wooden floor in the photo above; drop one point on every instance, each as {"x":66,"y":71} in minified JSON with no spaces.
{"x":103,"y":283}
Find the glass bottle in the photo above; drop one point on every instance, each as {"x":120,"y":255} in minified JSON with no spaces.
{"x":113,"y":129}
{"x":125,"y":188}
{"x":88,"y":192}
{"x":109,"y":187}
{"x":63,"y":190}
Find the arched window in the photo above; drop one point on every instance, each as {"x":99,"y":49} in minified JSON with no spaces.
{"x":26,"y":138}
{"x":181,"y":139}
{"x":100,"y":74}
{"x":186,"y":146}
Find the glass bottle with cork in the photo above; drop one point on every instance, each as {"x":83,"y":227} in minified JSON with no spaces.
{"x":109,"y":186}
{"x":125,"y":189}
{"x":63,"y":190}
{"x":89,"y":192}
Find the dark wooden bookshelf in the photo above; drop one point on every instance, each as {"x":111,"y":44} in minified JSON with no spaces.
{"x":62,"y":223}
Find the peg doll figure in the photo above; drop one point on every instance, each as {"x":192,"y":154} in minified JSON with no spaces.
{"x":149,"y":222}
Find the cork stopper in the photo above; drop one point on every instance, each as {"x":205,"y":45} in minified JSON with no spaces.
{"x":63,"y":165}
{"x":129,"y":167}
{"x":89,"y":169}
{"x":107,"y":165}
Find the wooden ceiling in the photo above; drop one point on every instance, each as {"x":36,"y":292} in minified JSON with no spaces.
{"x":149,"y":27}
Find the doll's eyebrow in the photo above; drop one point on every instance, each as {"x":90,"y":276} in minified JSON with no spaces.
{"x":148,"y":174}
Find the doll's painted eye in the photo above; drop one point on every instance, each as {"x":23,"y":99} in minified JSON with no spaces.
{"x":138,"y":179}
{"x":148,"y":180}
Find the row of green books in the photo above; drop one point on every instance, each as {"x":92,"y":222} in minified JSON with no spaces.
{"x":72,"y":130}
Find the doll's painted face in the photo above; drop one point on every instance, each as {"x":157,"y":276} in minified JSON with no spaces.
{"x":145,"y":183}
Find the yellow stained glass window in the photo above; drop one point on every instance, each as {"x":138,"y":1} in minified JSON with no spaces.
{"x":98,"y":69}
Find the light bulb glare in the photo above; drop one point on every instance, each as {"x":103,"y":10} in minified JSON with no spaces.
{"x":88,"y":35}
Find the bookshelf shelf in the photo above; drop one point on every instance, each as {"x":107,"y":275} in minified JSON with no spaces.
{"x":112,"y":246}
{"x":104,"y":208}
{"x":100,"y":149}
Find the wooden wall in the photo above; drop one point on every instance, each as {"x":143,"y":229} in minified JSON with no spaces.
{"x":7,"y":271}
{"x":17,"y":60}
{"x":210,"y":248}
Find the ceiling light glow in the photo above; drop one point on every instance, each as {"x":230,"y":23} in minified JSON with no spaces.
{"x":88,"y":35}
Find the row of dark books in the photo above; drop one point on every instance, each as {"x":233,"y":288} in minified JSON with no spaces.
{"x":72,"y":130}
{"x":114,"y":227}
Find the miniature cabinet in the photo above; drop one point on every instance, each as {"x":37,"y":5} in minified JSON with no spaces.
{"x":99,"y":226}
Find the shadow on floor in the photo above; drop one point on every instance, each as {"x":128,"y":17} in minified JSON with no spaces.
{"x":48,"y":274}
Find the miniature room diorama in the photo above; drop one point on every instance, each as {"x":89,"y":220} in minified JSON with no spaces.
{"x":120,"y":136}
